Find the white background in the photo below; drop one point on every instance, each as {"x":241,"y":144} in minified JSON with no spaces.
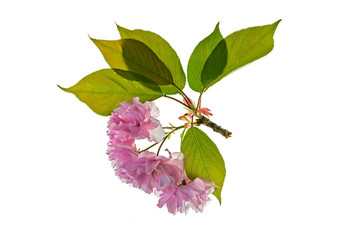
{"x":293,"y":162}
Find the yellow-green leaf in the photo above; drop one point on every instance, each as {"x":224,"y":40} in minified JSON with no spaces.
{"x":246,"y":46}
{"x":199,"y":57}
{"x":203,"y":159}
{"x":165,"y":53}
{"x":103,"y":91}
{"x":132,"y":56}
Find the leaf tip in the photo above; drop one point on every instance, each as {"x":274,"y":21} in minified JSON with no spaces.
{"x":123,"y":31}
{"x":217,"y":25}
{"x":277,"y":22}
{"x":120,"y":28}
{"x":218,"y":196}
{"x":217,"y":28}
{"x":92,"y":39}
{"x":64,"y":89}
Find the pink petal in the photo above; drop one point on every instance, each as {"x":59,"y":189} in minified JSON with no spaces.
{"x":205,"y":111}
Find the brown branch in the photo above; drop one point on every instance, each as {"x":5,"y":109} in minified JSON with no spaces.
{"x":214,"y":126}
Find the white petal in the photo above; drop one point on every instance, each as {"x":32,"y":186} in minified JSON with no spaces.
{"x":157,"y":134}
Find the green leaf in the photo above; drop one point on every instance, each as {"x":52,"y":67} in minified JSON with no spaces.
{"x":215,"y":64}
{"x":182,"y":134}
{"x":103,"y":91}
{"x":246,"y":46}
{"x":203,"y":159}
{"x":199,"y":58}
{"x":134,"y":58}
{"x":164,"y":52}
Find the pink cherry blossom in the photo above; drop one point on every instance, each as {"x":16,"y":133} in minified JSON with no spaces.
{"x":171,"y":172}
{"x":180,"y":198}
{"x":140,"y":171}
{"x":146,"y":170}
{"x":136,"y":120}
{"x":120,"y":152}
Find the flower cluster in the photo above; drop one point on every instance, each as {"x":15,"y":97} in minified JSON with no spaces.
{"x":164,"y":176}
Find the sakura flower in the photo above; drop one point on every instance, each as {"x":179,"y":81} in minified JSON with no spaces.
{"x":137,"y":120}
{"x":180,"y":198}
{"x":140,"y":171}
{"x":120,"y":152}
{"x":171,"y":172}
{"x":147,"y":170}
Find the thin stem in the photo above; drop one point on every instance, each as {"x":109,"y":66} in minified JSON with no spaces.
{"x":177,"y":101}
{"x":168,"y":127}
{"x":164,"y":139}
{"x":182,"y":93}
{"x":162,"y":144}
{"x":199,"y":101}
{"x":149,"y":147}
